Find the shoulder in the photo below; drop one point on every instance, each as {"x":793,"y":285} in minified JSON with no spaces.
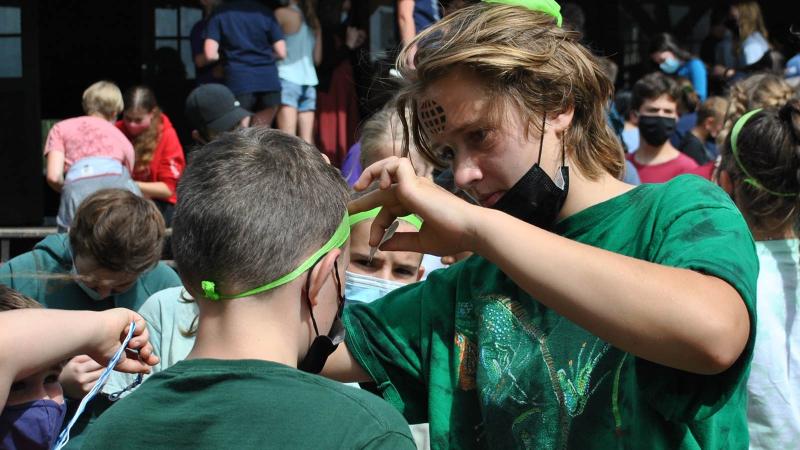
{"x":694,"y":190}
{"x":368,"y":410}
{"x":160,"y":277}
{"x":166,"y":301}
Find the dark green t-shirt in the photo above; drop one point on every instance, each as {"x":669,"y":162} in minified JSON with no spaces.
{"x":243,"y":404}
{"x":490,"y":367}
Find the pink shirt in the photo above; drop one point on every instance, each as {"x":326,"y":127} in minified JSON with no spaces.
{"x":659,"y":173}
{"x":85,"y":136}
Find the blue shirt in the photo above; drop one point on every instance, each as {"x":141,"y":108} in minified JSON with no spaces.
{"x":246,"y":31}
{"x":695,"y":71}
{"x":426,"y":13}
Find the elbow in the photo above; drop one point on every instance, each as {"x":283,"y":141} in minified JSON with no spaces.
{"x":55,"y":182}
{"x":724,"y":346}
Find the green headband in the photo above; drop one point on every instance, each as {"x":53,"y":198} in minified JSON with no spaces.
{"x":337,"y":240}
{"x":550,"y":7}
{"x":412,"y":219}
{"x":751,"y":180}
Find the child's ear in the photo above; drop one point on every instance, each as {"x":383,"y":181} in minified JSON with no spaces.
{"x":321,"y":274}
{"x":724,"y":181}
{"x":420,"y":272}
{"x":634,"y":118}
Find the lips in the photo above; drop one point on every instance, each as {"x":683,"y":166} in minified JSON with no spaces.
{"x":489,"y":200}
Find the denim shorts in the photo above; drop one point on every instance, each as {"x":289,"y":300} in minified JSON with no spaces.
{"x":303,"y":98}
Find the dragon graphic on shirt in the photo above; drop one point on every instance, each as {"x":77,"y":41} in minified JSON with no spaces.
{"x":504,"y":354}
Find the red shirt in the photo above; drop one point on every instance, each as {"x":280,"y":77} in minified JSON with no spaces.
{"x":168,"y":160}
{"x":706,"y":170}
{"x":659,"y":173}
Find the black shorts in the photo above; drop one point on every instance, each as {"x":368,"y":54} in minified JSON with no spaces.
{"x":257,"y":101}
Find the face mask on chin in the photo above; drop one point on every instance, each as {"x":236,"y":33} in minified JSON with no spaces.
{"x":536,"y":198}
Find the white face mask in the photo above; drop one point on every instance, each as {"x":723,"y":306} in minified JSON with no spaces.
{"x":365,"y":289}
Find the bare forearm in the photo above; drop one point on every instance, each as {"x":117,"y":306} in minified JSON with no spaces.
{"x":155,"y":189}
{"x":675,"y":317}
{"x":341,"y":366}
{"x":34,"y":339}
{"x":405,"y":21}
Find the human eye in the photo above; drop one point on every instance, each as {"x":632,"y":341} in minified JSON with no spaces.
{"x":364,"y":263}
{"x":50,"y":379}
{"x":445,"y":153}
{"x":478,"y":136}
{"x":404,"y":272}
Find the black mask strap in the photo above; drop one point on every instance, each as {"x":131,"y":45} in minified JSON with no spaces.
{"x":308,"y":299}
{"x":541,"y":140}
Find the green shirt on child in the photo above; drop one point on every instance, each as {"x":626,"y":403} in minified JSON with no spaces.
{"x":244,"y":404}
{"x":490,"y":367}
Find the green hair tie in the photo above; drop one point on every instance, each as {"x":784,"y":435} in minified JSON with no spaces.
{"x":337,"y":240}
{"x":549,"y":7}
{"x":411,"y":219}
{"x":751,"y":180}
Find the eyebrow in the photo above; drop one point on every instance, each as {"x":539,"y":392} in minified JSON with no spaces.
{"x":477,"y":123}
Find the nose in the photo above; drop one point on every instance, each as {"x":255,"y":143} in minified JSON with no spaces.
{"x":466,"y":172}
{"x":385,"y":273}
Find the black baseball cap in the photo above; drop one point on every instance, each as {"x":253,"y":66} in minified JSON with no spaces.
{"x":213,"y":107}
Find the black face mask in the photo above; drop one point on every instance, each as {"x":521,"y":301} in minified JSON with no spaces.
{"x":655,"y":130}
{"x":535,"y":198}
{"x":324,"y":345}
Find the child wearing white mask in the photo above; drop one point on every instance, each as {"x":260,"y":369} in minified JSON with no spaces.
{"x":370,"y":277}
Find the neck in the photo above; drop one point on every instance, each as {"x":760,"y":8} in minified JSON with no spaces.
{"x":649,"y":154}
{"x":101,"y":116}
{"x":584,"y":192}
{"x":700,"y":133}
{"x":249,"y":328}
{"x":774,"y":235}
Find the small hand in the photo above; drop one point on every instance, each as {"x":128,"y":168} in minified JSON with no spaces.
{"x":115,"y":324}
{"x":79,"y":376}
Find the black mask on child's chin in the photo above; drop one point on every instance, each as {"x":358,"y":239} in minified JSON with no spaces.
{"x":324,"y":345}
{"x":536,"y":198}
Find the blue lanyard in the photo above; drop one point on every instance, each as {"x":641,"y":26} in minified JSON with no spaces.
{"x":63,"y":438}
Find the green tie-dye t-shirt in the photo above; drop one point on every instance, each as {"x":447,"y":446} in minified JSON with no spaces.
{"x":490,"y":367}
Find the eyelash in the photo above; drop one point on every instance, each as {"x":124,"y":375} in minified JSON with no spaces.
{"x":445,"y":153}
{"x":478,"y":136}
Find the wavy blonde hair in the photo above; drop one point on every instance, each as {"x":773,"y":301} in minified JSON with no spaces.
{"x":762,"y":90}
{"x":750,"y":20}
{"x":522,"y":58}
